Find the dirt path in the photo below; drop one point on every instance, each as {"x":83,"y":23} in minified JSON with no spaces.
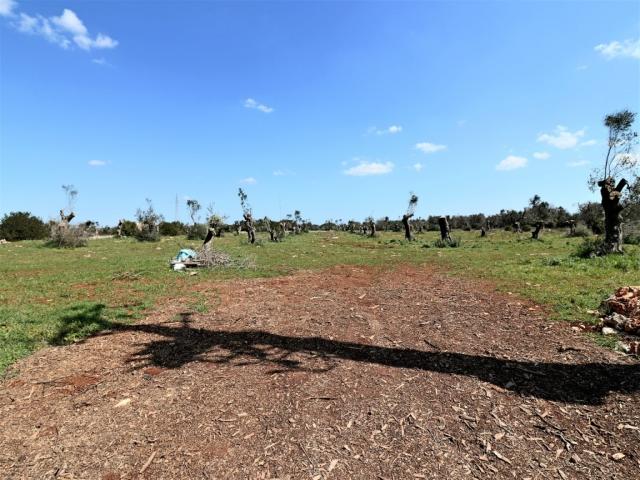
{"x":345,"y":373}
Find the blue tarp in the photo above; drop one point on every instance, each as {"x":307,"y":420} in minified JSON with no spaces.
{"x":185,"y":254}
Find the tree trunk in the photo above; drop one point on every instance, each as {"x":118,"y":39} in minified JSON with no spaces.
{"x":120,"y":224}
{"x":65,"y":219}
{"x":572,"y":228}
{"x":612,"y":222}
{"x":536,"y":232}
{"x":483,"y":232}
{"x":251,"y":231}
{"x":407,"y":226}
{"x":444,"y":228}
{"x":209,"y":238}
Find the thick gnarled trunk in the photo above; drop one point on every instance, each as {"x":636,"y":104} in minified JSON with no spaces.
{"x":536,"y":232}
{"x":611,"y":196}
{"x":407,"y":226}
{"x":443,"y":223}
{"x":251,"y":231}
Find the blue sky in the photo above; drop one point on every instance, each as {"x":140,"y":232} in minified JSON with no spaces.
{"x":338,"y":109}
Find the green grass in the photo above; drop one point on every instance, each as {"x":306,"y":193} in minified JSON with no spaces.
{"x":52,"y":296}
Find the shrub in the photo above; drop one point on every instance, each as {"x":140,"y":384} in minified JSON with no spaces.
{"x":589,"y":248}
{"x":171,"y":229}
{"x":148,"y":221}
{"x":71,"y":236}
{"x":129,"y":228}
{"x":632,"y":239}
{"x":453,"y":243}
{"x":22,"y":226}
{"x":197,"y":231}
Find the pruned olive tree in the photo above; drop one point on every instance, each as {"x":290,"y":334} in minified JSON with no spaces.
{"x":247,"y":215}
{"x":371,"y":224}
{"x":620,"y":169}
{"x":411,"y":210}
{"x":148,"y":223}
{"x":443,"y":223}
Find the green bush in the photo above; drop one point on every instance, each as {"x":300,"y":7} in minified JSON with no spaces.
{"x":171,"y":229}
{"x":148,"y":220}
{"x":589,"y":248}
{"x":197,"y":232}
{"x":453,"y":243}
{"x":22,"y":226}
{"x":632,"y":239}
{"x":71,"y":236}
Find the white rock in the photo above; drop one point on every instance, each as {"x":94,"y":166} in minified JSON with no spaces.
{"x":608,"y":331}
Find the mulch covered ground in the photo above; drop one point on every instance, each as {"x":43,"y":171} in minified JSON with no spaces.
{"x":350,"y":372}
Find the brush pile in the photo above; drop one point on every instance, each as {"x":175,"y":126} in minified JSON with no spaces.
{"x":208,"y":258}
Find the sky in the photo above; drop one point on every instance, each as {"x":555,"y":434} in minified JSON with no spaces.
{"x":338,"y":109}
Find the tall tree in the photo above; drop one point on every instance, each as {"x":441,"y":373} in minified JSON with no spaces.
{"x":194,"y":208}
{"x":247,"y":215}
{"x":619,"y":162}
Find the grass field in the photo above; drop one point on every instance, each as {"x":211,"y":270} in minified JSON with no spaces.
{"x":51,"y":296}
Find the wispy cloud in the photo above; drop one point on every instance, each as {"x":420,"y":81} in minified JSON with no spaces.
{"x":589,"y":143}
{"x":249,"y":181}
{"x":65,"y":30}
{"x":512,"y":162}
{"x":96,"y":163}
{"x":365,"y":168}
{"x":627,"y":48}
{"x":390,"y":130}
{"x":541,"y":155}
{"x":282,"y":173}
{"x":578,"y":163}
{"x":251,"y":103}
{"x":6,"y":7}
{"x":418,"y":167}
{"x":426,"y":147}
{"x":561,"y":137}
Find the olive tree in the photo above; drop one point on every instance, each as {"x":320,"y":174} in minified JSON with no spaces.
{"x":619,"y":162}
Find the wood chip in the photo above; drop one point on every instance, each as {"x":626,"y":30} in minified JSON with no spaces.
{"x":148,"y":462}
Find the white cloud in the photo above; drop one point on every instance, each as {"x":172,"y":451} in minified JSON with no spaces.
{"x":100,"y":61}
{"x":426,"y":147}
{"x":251,"y":103}
{"x":578,"y":163}
{"x":418,"y":167}
{"x":561,"y":138}
{"x":365,"y":168}
{"x":282,"y":173}
{"x":589,"y":143}
{"x":541,"y":155}
{"x":249,"y":181}
{"x":390,"y":130}
{"x":63,"y":30}
{"x":627,"y":48}
{"x":512,"y":163}
{"x":97,"y":163}
{"x":6,"y":7}
{"x":70,"y":22}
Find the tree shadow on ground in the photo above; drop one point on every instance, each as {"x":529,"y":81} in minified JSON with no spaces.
{"x":585,"y":383}
{"x":84,"y":319}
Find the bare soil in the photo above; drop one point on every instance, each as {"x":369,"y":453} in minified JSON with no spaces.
{"x":350,"y":372}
